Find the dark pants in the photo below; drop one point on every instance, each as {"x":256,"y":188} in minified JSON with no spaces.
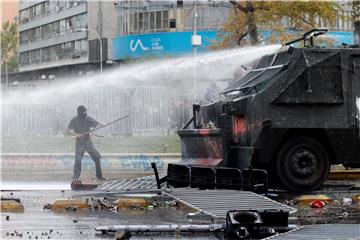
{"x":80,"y":149}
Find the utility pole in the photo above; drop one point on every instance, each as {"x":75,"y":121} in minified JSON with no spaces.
{"x":195,"y":41}
{"x":6,"y":76}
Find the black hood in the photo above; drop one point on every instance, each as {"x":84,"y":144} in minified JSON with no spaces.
{"x":81,"y":111}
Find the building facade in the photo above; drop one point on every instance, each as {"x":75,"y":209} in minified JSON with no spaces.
{"x":164,"y":28}
{"x":52,"y":34}
{"x":52,"y":45}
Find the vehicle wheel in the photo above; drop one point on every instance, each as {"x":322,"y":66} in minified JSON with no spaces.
{"x":302,"y":164}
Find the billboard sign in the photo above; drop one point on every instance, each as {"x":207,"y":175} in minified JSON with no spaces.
{"x":158,"y":44}
{"x":178,"y":43}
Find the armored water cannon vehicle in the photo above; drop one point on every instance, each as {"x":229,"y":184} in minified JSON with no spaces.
{"x":288,"y":120}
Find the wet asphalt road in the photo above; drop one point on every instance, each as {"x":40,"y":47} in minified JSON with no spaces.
{"x":39,"y":223}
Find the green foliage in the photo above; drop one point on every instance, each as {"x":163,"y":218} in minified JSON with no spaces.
{"x":248,"y":16}
{"x":9,"y":46}
{"x":356,"y":12}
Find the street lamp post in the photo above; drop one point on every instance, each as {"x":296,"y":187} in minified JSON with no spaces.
{"x":100,"y":41}
{"x":195,"y":41}
{"x":6,"y":76}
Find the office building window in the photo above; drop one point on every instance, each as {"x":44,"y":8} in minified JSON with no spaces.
{"x":69,"y":48}
{"x":68,"y":3}
{"x":152,"y":21}
{"x":45,"y":31}
{"x":54,"y":52}
{"x":61,"y":5}
{"x":47,"y":7}
{"x":34,"y":34}
{"x":24,"y":16}
{"x":55,"y":26}
{"x":45,"y":54}
{"x":35,"y":56}
{"x":134,"y":19}
{"x":24,"y":37}
{"x":24,"y":58}
{"x":38,"y":10}
{"x":158,"y":20}
{"x":69,"y":25}
{"x":165,"y":20}
{"x":54,"y":29}
{"x":62,"y":26}
{"x":66,"y":50}
{"x":80,"y":21}
{"x":80,"y":46}
{"x":141,"y":22}
{"x":146,"y":21}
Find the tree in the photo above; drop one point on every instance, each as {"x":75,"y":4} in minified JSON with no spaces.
{"x":248,"y":16}
{"x":356,"y":21}
{"x":9,"y":46}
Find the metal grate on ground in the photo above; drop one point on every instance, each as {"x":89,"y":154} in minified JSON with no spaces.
{"x":218,"y":202}
{"x":142,"y":183}
{"x":322,"y":232}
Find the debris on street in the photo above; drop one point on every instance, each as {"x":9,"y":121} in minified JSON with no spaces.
{"x":122,"y":235}
{"x":317,"y":204}
{"x":308,"y":199}
{"x":97,"y":204}
{"x":11,"y":206}
{"x":132,"y":202}
{"x":162,"y":228}
{"x":69,"y":205}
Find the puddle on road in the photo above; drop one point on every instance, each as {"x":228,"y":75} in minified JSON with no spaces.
{"x":18,"y":186}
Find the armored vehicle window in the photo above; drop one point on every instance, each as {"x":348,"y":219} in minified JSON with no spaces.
{"x":266,"y":70}
{"x":265,"y":61}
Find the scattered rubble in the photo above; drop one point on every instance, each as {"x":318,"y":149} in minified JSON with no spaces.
{"x":122,"y":235}
{"x":47,"y":206}
{"x":356,"y":198}
{"x":101,"y":204}
{"x":346,"y":201}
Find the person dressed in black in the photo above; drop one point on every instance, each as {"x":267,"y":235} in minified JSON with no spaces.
{"x":79,"y":127}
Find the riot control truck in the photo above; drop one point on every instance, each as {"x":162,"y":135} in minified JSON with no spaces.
{"x":288,"y":120}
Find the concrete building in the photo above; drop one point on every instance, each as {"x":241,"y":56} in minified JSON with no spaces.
{"x":51,"y":46}
{"x":53,"y":39}
{"x":164,"y":28}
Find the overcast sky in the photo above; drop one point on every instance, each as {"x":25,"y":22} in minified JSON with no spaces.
{"x":9,"y":9}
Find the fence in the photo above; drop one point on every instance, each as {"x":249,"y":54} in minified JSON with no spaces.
{"x":152,"y":109}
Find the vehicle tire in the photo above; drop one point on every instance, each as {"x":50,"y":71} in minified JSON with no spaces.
{"x":302,"y":164}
